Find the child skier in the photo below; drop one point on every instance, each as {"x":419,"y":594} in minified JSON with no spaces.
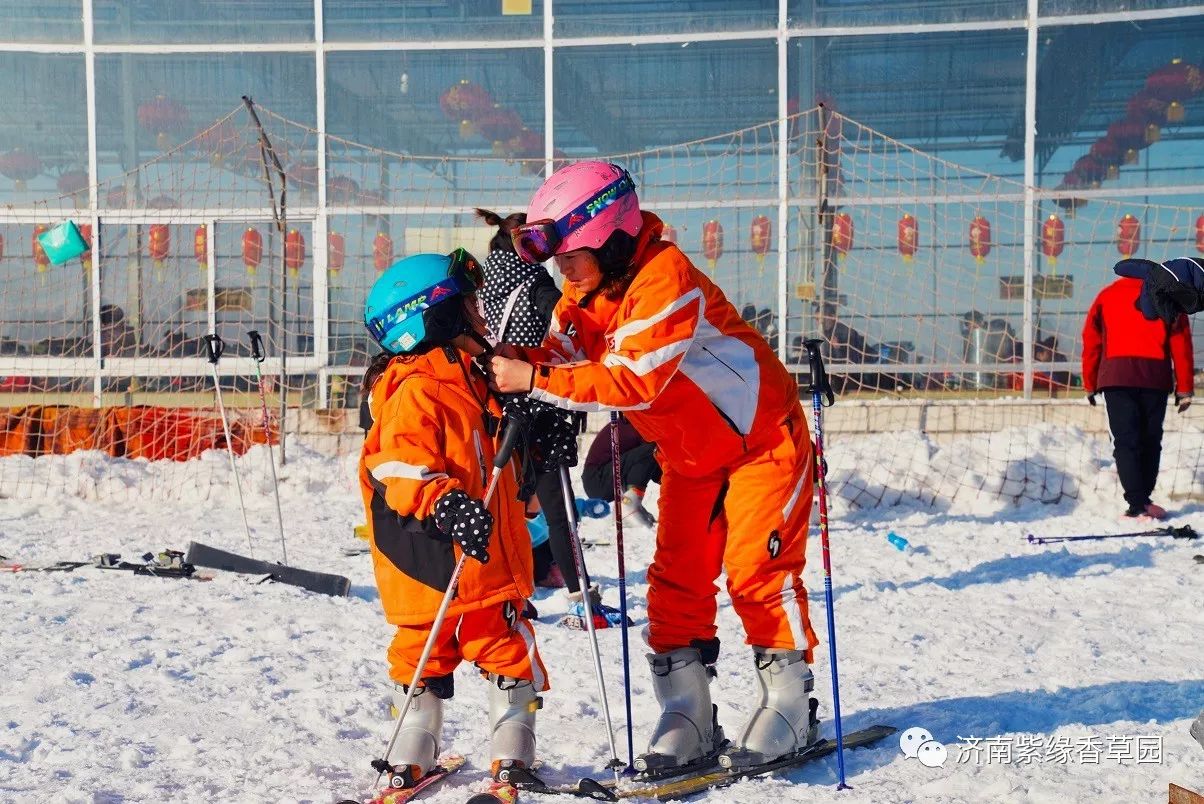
{"x":423,"y":471}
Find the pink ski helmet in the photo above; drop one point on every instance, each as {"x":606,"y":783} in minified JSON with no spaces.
{"x":579,"y":206}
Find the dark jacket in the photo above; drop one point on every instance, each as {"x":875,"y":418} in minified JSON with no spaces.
{"x":529,"y":293}
{"x":1123,"y":349}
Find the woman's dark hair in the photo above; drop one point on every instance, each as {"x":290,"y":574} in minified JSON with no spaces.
{"x":501,"y":241}
{"x":614,"y":258}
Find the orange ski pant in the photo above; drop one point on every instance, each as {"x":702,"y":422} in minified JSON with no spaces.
{"x":498,"y":639}
{"x":749,"y":520}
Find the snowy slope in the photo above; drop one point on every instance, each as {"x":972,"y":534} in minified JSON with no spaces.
{"x":123,"y":689}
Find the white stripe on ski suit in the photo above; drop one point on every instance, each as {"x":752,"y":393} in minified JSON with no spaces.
{"x":794,"y":614}
{"x":710,"y":360}
{"x":798,"y":488}
{"x":404,"y":471}
{"x":528,"y":634}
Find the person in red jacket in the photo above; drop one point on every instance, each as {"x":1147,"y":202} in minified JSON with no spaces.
{"x":642,"y":330}
{"x":1135,"y":362}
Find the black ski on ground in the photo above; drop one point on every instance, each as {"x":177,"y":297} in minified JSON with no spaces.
{"x":692,"y":785}
{"x":325,"y":583}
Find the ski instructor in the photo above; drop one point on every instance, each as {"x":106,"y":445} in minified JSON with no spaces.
{"x":640,"y":329}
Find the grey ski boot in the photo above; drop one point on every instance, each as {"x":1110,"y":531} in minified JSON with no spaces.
{"x":417,"y":748}
{"x":1197,"y":729}
{"x":513,"y":703}
{"x":688,"y":730}
{"x":784,"y":721}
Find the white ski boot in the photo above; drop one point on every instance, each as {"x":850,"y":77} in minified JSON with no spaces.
{"x":784,"y":722}
{"x":688,"y":728}
{"x":513,"y":703}
{"x":417,"y":748}
{"x":632,"y":505}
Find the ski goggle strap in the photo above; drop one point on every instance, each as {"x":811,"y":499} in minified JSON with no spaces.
{"x":464,"y":277}
{"x":538,"y":240}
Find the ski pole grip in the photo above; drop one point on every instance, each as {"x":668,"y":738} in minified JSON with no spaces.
{"x":514,"y":429}
{"x":819,"y":376}
{"x":214,"y":347}
{"x":256,"y":345}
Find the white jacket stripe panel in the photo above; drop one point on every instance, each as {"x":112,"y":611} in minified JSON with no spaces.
{"x":725,"y":369}
{"x":404,"y":471}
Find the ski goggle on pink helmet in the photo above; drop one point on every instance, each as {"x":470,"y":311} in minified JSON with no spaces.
{"x":579,"y":206}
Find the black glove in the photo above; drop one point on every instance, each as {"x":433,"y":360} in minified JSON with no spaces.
{"x":1091,"y":398}
{"x":1172,"y":297}
{"x":467,"y":521}
{"x":551,"y":433}
{"x":1182,"y":402}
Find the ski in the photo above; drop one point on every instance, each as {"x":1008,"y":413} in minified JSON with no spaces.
{"x":9,"y":565}
{"x":167,"y":564}
{"x":498,"y":793}
{"x":1182,"y":532}
{"x":689,"y":786}
{"x":357,"y":550}
{"x":605,"y":790}
{"x":324,"y":582}
{"x":399,"y":795}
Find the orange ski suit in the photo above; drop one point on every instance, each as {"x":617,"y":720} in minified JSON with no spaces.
{"x":429,"y":436}
{"x":692,"y":376}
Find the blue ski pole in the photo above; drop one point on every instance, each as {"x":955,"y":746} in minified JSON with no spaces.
{"x":820,"y":388}
{"x":618,"y":483}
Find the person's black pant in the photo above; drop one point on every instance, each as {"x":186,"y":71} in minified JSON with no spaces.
{"x":551,"y":500}
{"x":637,"y":467}
{"x":1135,"y":417}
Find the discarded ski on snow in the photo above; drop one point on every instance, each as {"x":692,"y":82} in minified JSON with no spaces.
{"x":325,"y":583}
{"x":1182,"y":532}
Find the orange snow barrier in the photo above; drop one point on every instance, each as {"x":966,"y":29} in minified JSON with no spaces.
{"x":153,"y":433}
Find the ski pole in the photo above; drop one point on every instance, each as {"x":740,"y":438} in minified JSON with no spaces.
{"x":570,"y":506}
{"x":617,"y":474}
{"x":1184,"y":532}
{"x":214,"y":348}
{"x":500,"y":459}
{"x":820,"y":387}
{"x":259,"y":355}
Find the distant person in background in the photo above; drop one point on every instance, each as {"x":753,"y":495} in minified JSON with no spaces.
{"x":1135,"y":363}
{"x":637,"y":468}
{"x":116,"y":335}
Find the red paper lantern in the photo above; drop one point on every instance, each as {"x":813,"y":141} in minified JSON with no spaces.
{"x":712,"y":242}
{"x":1173,"y":84}
{"x":909,"y":237}
{"x":1053,"y":238}
{"x":158,"y":245}
{"x":669,"y":234}
{"x":1128,"y":134}
{"x":498,"y":123}
{"x":1090,"y":170}
{"x":20,"y":166}
{"x":842,"y":234}
{"x":40,"y":260}
{"x":252,"y":249}
{"x":294,"y":250}
{"x":164,"y":118}
{"x":72,"y":182}
{"x":382,"y":251}
{"x":200,"y":247}
{"x":1128,"y":236}
{"x":85,"y":259}
{"x":760,"y":233}
{"x":1107,"y":151}
{"x":980,"y":238}
{"x":336,"y":252}
{"x":1200,"y":234}
{"x":465,"y":101}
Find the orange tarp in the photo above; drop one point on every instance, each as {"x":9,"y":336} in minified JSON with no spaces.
{"x":132,"y":432}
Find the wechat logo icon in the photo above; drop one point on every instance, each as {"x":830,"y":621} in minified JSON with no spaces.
{"x":917,"y":743}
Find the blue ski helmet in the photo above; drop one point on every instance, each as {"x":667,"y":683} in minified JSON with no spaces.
{"x":416,"y":302}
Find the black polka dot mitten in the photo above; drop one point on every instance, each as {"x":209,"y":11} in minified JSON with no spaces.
{"x":467,"y":521}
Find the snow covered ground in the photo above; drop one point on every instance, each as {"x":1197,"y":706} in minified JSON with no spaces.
{"x":1077,"y":667}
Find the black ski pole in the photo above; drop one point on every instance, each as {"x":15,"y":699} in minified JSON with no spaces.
{"x":1182,"y":532}
{"x":821,"y":389}
{"x":259,"y":355}
{"x":213,"y":351}
{"x":617,"y":484}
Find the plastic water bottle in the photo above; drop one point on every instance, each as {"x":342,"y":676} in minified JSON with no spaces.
{"x":592,"y":507}
{"x":898,"y":541}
